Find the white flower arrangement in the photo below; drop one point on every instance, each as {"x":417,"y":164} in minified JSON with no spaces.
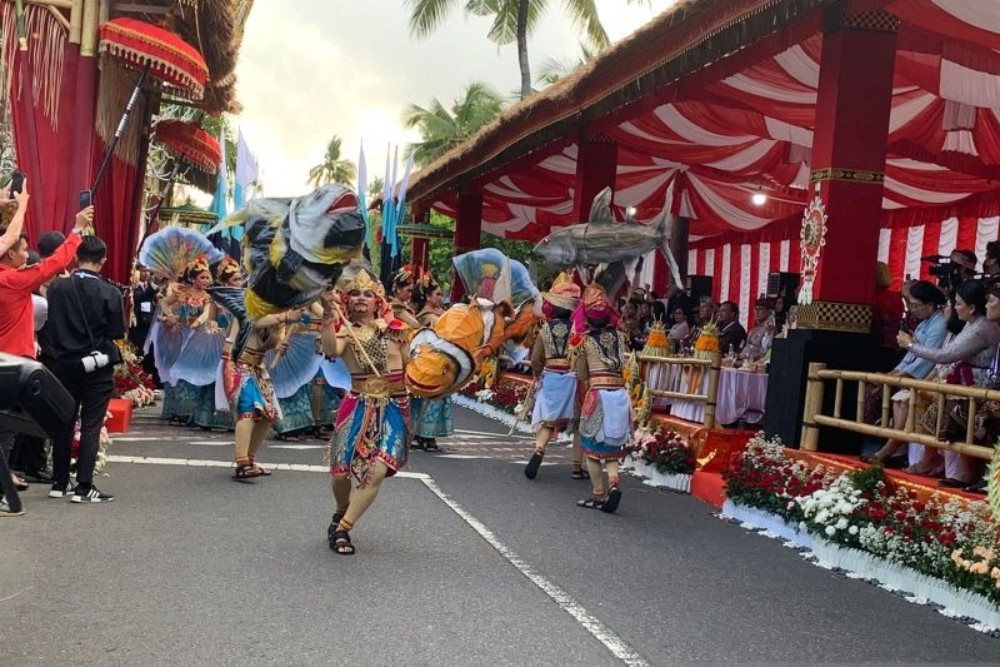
{"x":484,"y":395}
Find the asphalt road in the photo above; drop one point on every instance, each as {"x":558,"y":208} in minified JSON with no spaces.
{"x":464,"y":562}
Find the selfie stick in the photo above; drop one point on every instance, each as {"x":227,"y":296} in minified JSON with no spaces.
{"x":109,"y":151}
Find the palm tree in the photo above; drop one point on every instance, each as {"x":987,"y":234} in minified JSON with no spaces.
{"x":553,"y":69}
{"x":441,"y":129}
{"x":513,"y":21}
{"x":333,"y":169}
{"x":376,"y":188}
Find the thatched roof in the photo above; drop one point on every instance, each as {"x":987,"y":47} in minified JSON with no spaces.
{"x":681,"y":40}
{"x":215,"y":28}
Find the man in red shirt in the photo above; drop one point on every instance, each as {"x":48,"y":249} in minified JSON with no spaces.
{"x":17,"y":282}
{"x":17,"y":316}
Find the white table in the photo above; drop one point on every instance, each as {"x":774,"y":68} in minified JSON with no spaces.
{"x":741,"y":393}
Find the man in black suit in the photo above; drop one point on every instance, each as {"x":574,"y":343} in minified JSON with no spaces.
{"x":143,"y":310}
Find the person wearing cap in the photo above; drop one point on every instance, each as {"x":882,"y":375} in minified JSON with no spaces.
{"x":606,"y":410}
{"x":553,"y":373}
{"x":371,"y":433}
{"x":761,"y":335}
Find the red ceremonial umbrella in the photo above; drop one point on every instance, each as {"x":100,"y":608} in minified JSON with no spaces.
{"x":189,"y":141}
{"x":157,"y":52}
{"x":170,"y":59}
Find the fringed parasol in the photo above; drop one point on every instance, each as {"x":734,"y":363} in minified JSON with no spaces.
{"x":190,"y":142}
{"x":170,"y":59}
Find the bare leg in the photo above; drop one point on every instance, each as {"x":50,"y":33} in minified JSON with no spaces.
{"x":364,"y":497}
{"x":596,"y":477}
{"x":576,"y":454}
{"x":893,"y":447}
{"x":542,"y":439}
{"x":244,"y":434}
{"x":341,"y":487}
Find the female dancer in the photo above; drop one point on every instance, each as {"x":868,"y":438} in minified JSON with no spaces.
{"x":432,"y":418}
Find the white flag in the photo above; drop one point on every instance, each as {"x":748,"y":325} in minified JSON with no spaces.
{"x":247,"y":170}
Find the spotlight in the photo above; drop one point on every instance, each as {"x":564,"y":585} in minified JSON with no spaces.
{"x":759,"y":199}
{"x":630,"y":211}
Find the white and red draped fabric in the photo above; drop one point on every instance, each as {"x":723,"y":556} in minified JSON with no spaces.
{"x":746,"y":127}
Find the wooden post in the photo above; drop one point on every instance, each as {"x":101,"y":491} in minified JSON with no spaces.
{"x":838,"y":398}
{"x":970,"y":427}
{"x":911,"y":416}
{"x":814,"y":403}
{"x":940,"y":414}
{"x":88,"y":32}
{"x":860,"y":410}
{"x":75,"y":21}
{"x":713,"y":390}
{"x":886,"y":405}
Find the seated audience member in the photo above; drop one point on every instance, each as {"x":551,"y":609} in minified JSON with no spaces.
{"x":761,"y":335}
{"x":681,"y":327}
{"x":972,"y":352}
{"x":732,"y":335}
{"x":926,"y":304}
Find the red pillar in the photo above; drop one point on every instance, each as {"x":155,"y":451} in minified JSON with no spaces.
{"x":468,"y":227}
{"x":418,"y":246}
{"x":848,"y":156}
{"x":848,"y":163}
{"x":596,"y":167}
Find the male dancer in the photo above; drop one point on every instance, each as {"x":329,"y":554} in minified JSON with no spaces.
{"x":555,"y":397}
{"x":370,"y":435}
{"x":606,"y":413}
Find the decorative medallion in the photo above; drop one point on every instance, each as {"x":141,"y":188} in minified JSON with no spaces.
{"x":813,"y":237}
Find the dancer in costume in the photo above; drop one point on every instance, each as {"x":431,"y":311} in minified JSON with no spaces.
{"x":370,"y":439}
{"x":182,"y":257}
{"x":432,"y":418}
{"x":248,"y":387}
{"x":555,"y":395}
{"x":404,"y":283}
{"x":213,"y":406}
{"x":606,"y":412}
{"x":293,"y":373}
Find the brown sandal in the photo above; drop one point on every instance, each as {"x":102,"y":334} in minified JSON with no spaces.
{"x":245,"y":471}
{"x":591,"y":503}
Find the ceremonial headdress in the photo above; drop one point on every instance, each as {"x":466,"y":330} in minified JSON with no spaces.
{"x":564,"y":293}
{"x":596,"y":304}
{"x":357,"y":276}
{"x":226,"y":269}
{"x":199,"y":265}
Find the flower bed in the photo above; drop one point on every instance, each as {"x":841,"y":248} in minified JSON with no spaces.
{"x":945,"y":552}
{"x":133,"y":383}
{"x":662,"y":458}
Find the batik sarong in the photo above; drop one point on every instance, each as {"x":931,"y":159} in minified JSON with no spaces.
{"x":606,"y":423}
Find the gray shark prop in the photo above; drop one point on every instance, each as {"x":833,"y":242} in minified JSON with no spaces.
{"x":603,"y":241}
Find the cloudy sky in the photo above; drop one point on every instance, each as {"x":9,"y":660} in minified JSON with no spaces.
{"x":310,"y":69}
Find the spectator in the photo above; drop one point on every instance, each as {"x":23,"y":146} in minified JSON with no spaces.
{"x":679,"y":331}
{"x":732,"y":335}
{"x":991,"y":265}
{"x":143,"y":312}
{"x":887,"y":313}
{"x":17,"y":283}
{"x":760,"y":337}
{"x":926,"y":303}
{"x":87,"y":316}
{"x":13,"y":208}
{"x":972,"y":351}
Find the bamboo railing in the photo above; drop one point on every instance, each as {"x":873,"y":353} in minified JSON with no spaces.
{"x":709,"y":398}
{"x":813,"y":417}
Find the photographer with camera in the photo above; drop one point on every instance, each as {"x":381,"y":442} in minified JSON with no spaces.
{"x":86,"y":317}
{"x":17,"y":283}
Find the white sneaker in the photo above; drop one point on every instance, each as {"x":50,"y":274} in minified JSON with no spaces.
{"x":59,"y":491}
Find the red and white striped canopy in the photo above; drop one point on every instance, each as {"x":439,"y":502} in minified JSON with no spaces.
{"x":707,"y":154}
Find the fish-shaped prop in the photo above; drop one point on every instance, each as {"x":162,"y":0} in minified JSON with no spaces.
{"x":603,"y":241}
{"x":293,"y":249}
{"x":489,"y":274}
{"x":443,"y":359}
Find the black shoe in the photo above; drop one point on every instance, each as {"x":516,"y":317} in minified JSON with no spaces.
{"x":978,"y":487}
{"x":614,"y":497}
{"x":418,"y":443}
{"x":534,"y":463}
{"x":896,"y":462}
{"x":91,"y":495}
{"x":431,"y":445}
{"x":39,"y":477}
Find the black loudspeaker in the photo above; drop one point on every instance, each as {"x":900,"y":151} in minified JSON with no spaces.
{"x":782,"y":284}
{"x":32,"y":400}
{"x":699,"y":286}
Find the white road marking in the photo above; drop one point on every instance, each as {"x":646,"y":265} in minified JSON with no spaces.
{"x":207,"y":463}
{"x":297,"y":447}
{"x":211,"y":443}
{"x":591,"y":624}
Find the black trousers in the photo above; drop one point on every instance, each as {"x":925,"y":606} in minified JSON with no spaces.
{"x":92,"y":393}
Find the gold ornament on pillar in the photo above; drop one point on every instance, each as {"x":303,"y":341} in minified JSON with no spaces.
{"x":813,"y":237}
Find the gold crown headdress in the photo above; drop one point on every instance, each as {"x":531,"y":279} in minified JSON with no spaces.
{"x":195,"y":267}
{"x":358,"y":276}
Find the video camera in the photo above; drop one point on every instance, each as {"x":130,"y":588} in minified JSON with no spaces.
{"x":947,"y":272}
{"x":32,"y":401}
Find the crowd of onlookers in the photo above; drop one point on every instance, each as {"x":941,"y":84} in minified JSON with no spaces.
{"x":58,"y":310}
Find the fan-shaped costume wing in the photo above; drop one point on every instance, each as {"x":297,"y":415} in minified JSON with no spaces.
{"x":297,"y":366}
{"x":169,"y":251}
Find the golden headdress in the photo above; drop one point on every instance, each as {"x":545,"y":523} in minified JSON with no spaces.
{"x":227,"y":268}
{"x":358,"y":276}
{"x":195,"y":267}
